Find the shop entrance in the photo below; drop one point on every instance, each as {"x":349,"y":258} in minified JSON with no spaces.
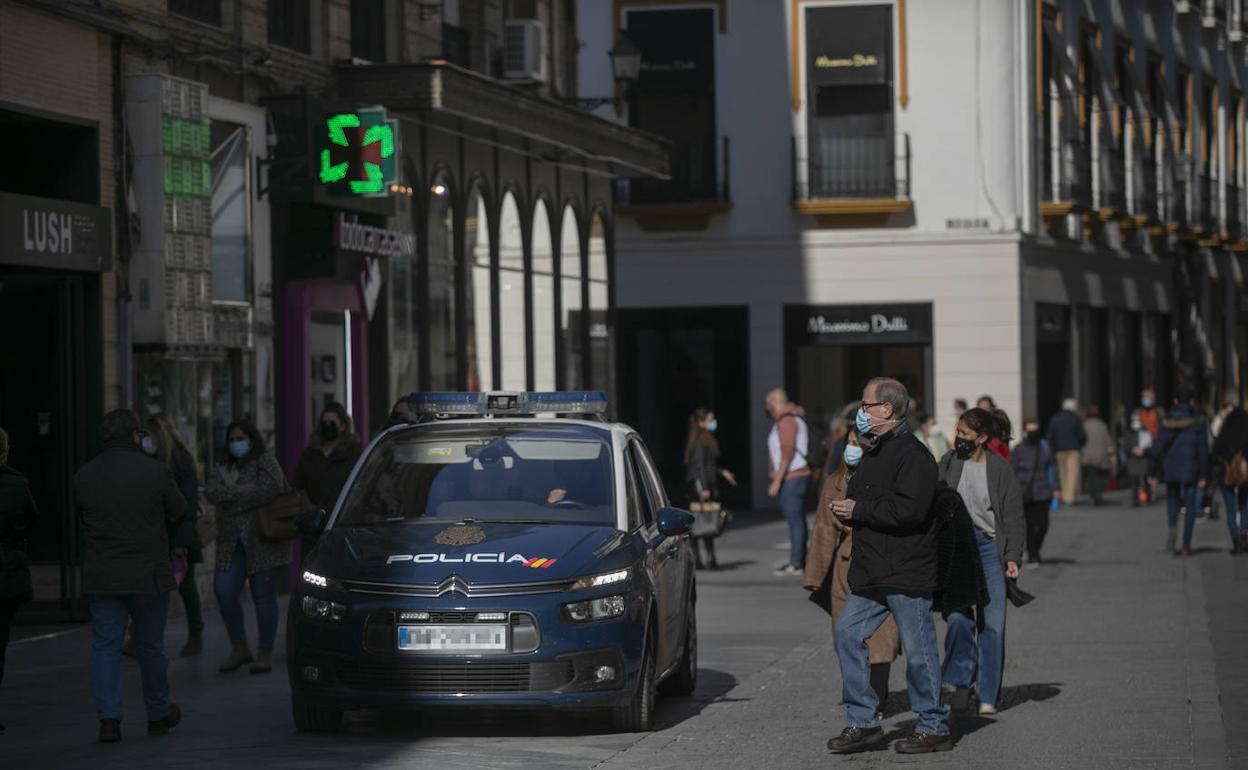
{"x":49,"y":406}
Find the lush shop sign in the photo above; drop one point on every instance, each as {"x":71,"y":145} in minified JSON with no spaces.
{"x":51,"y":233}
{"x":858,"y":324}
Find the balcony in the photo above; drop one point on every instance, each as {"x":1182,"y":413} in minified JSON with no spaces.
{"x":689,"y":199}
{"x":856,"y":176}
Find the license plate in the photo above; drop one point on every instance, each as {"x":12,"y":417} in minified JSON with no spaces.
{"x":460,"y":638}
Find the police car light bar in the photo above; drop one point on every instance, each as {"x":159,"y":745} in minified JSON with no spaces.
{"x":508,"y":402}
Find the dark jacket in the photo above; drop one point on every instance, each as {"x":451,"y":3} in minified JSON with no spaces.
{"x":1033,"y":467}
{"x":962,"y":582}
{"x":127,"y":501}
{"x":702,"y":471}
{"x":1182,"y":448}
{"x":894,"y":536}
{"x":1233,"y":437}
{"x":18,"y":515}
{"x":323,"y":476}
{"x":183,"y":534}
{"x":1006,"y":498}
{"x":1066,"y":433}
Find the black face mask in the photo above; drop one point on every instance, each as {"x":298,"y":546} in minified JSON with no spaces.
{"x":964,"y":448}
{"x":1033,"y":437}
{"x":329,"y":431}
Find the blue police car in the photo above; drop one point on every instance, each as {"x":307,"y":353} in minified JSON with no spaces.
{"x":506,"y":549}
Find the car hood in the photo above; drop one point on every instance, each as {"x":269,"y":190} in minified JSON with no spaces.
{"x":481,"y":554}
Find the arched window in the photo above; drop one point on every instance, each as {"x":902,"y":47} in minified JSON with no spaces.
{"x":481,"y":331}
{"x":513,"y":336}
{"x":443,"y":373}
{"x":600,"y":331}
{"x":543,"y":300}
{"x":572,"y":324}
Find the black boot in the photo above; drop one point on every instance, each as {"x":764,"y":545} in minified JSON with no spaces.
{"x":711,"y":562}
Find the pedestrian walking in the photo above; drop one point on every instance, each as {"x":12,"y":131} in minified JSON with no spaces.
{"x":975,"y":642}
{"x":1032,"y":463}
{"x":1181,"y":454}
{"x":827,"y":568}
{"x":932,"y":436}
{"x":702,"y":475}
{"x":1137,"y":444}
{"x":18,"y":516}
{"x":986,"y":403}
{"x":1066,"y":438}
{"x":1097,"y":457}
{"x":893,"y":570}
{"x":787,"y":445}
{"x":959,"y":408}
{"x":248,"y":479}
{"x":1003,"y":434}
{"x":1230,"y":453}
{"x":165,"y":443}
{"x":328,"y":458}
{"x":127,"y":502}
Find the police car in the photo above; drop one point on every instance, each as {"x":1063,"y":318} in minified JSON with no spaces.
{"x":506,"y":549}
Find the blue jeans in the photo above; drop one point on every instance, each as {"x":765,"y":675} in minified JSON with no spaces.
{"x":227,"y":584}
{"x":979,"y":659}
{"x":1236,"y":511}
{"x":793,"y":506}
{"x":861,"y":617}
{"x":109,"y":617}
{"x":1185,"y":495}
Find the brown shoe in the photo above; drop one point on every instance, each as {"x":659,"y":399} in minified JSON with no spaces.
{"x":163,"y":726}
{"x":194,"y":643}
{"x":239,"y":656}
{"x":855,"y":739}
{"x":923,"y":743}
{"x":110,"y":730}
{"x":263,"y":663}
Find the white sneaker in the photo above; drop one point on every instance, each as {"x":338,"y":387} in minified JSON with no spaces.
{"x":787,"y":570}
{"x":987,"y":709}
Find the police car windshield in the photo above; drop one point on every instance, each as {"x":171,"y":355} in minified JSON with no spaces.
{"x":446,"y":472}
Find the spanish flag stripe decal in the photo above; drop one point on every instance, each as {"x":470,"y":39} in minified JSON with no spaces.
{"x":537,"y":563}
{"x":548,"y":563}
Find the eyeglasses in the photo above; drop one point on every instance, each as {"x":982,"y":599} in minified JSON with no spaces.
{"x":870,"y":404}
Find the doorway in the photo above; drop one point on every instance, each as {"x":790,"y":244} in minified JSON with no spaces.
{"x":673,"y":360}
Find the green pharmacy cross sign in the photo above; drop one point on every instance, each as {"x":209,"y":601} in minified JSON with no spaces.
{"x":359,"y":153}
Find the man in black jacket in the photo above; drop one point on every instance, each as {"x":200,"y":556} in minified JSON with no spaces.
{"x":127,"y":500}
{"x":894,"y":569}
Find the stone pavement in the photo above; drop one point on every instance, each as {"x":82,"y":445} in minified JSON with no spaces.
{"x":1129,"y":658}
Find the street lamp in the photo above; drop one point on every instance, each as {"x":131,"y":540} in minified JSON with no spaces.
{"x":625,"y":67}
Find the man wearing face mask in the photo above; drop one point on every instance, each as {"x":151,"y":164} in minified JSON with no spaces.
{"x":894,"y":571}
{"x":329,"y":457}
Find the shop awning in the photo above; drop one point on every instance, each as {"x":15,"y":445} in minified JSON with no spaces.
{"x":439,"y":87}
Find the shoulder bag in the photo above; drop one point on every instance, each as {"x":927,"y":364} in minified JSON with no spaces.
{"x":709,"y":519}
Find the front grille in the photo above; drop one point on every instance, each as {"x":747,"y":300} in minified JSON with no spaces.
{"x":451,"y":617}
{"x":455,"y":587}
{"x":466,"y":677}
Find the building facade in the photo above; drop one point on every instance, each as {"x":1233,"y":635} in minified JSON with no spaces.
{"x":1027,"y":199}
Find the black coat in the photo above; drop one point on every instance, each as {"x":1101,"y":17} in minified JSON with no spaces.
{"x":962,"y":583}
{"x":1066,"y":432}
{"x":18,"y":515}
{"x":1233,"y":437}
{"x":182,"y":533}
{"x":702,"y":471}
{"x":895,"y":532}
{"x":127,"y":500}
{"x":323,"y":476}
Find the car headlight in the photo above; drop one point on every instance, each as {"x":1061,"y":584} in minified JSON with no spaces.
{"x":605,"y":579}
{"x":595,"y":609}
{"x":323,"y":609}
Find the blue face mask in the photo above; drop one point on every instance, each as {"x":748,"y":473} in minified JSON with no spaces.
{"x":1146,"y":402}
{"x":239,"y":449}
{"x":853,"y":455}
{"x":712,"y":426}
{"x":863,"y":421}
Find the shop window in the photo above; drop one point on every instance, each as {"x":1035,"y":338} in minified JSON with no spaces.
{"x":850,"y":147}
{"x":290,"y":24}
{"x":231,"y":212}
{"x":543,"y":300}
{"x":601,"y":337}
{"x":441,"y":309}
{"x":70,"y":173}
{"x":368,"y":29}
{"x":674,"y":97}
{"x":572,"y":321}
{"x":481,"y":335}
{"x":512,"y":305}
{"x":207,"y":11}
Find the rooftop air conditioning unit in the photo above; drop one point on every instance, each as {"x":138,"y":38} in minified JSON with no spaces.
{"x":524,"y":51}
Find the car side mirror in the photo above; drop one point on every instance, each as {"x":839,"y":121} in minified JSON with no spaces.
{"x":311,"y":523}
{"x":674,"y":522}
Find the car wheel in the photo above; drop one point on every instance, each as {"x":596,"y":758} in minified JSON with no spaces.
{"x":637,"y":716}
{"x":311,"y":718}
{"x":685,"y":679}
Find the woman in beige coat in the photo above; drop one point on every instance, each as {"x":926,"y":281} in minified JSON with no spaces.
{"x":827,"y":566}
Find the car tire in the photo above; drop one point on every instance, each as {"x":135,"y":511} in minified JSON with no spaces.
{"x":637,"y":716}
{"x":685,"y":679}
{"x":311,"y":718}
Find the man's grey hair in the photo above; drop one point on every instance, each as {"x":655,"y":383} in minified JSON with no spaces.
{"x":1070,"y":405}
{"x":890,"y":391}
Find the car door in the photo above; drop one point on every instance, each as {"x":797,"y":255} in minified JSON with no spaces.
{"x":669,"y":558}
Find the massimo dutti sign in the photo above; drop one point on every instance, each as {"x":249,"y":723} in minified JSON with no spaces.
{"x":849,"y":45}
{"x":53,"y":233}
{"x":858,"y":324}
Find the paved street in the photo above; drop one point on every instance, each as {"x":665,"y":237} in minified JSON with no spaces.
{"x":1129,"y":658}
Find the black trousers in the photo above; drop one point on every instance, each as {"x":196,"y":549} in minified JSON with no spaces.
{"x":1037,"y":516}
{"x":189,"y":592}
{"x":8,"y":608}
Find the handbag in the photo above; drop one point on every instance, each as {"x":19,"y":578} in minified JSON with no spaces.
{"x":1236,"y":471}
{"x":709,"y":519}
{"x":275,"y":520}
{"x":1017,"y":596}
